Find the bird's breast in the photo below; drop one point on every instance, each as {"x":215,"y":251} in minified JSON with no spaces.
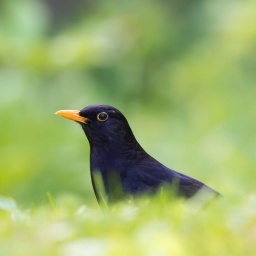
{"x":107,"y":160}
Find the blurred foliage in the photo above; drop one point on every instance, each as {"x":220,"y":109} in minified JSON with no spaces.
{"x":143,"y":228}
{"x":183,"y":73}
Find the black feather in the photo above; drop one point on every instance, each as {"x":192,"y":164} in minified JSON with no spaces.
{"x":123,"y":164}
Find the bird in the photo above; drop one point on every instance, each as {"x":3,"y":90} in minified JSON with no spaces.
{"x":125,"y":168}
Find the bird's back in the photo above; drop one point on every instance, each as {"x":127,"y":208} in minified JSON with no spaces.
{"x":149,"y":175}
{"x":133,"y":173}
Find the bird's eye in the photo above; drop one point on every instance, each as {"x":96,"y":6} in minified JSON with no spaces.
{"x":103,"y":116}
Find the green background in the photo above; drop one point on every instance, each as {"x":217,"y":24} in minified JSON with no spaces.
{"x":182,"y":72}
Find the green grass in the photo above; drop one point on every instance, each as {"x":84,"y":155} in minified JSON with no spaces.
{"x":182,"y":72}
{"x":160,"y":226}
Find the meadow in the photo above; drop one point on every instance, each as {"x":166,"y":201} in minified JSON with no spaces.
{"x":182,"y":72}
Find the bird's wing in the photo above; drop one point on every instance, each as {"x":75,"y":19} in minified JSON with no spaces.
{"x":188,"y":186}
{"x":146,"y":176}
{"x":150,"y":175}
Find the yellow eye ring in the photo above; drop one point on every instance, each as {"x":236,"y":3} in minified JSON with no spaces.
{"x":103,"y":116}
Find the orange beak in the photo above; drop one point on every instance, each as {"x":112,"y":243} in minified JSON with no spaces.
{"x":72,"y":115}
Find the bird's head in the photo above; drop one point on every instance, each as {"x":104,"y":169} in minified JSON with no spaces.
{"x":101,"y":124}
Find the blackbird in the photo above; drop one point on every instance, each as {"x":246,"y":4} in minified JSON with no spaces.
{"x":123,"y":164}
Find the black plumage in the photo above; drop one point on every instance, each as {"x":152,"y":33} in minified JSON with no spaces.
{"x":120,"y":160}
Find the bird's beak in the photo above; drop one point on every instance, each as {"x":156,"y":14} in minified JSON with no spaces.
{"x":72,"y":115}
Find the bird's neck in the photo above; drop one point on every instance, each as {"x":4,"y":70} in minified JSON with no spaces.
{"x":115,"y":156}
